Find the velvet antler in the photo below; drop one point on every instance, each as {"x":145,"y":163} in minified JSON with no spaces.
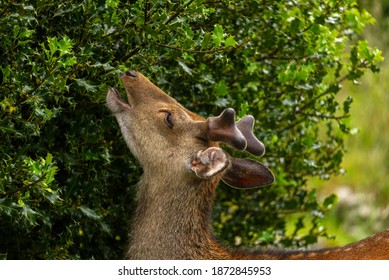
{"x":223,"y":128}
{"x":254,"y":146}
{"x":238,"y":135}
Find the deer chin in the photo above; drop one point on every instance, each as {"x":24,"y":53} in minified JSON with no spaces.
{"x":115,"y":103}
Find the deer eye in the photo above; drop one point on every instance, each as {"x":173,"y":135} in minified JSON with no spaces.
{"x":169,"y":119}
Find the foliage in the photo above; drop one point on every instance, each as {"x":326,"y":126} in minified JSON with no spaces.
{"x":66,"y":176}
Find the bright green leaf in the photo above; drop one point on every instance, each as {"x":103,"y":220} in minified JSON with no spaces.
{"x":230,"y":42}
{"x":218,"y":35}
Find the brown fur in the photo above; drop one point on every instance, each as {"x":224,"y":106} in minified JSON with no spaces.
{"x":173,"y":217}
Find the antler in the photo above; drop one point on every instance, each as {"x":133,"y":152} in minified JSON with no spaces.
{"x":223,"y":128}
{"x":254,"y":146}
{"x":238,"y":135}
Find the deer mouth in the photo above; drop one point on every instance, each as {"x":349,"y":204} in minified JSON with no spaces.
{"x":117,"y":94}
{"x":115,"y":102}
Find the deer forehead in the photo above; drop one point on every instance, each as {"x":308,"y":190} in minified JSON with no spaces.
{"x":147,"y":98}
{"x":155,"y":116}
{"x":141,"y":90}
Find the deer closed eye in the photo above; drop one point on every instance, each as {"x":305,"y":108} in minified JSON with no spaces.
{"x":168,"y":119}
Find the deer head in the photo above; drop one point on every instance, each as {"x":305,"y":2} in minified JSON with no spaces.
{"x":165,"y":137}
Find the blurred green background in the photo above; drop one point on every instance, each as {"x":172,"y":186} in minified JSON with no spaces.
{"x":363,"y":191}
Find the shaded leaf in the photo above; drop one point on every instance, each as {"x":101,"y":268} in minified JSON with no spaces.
{"x":90,"y":213}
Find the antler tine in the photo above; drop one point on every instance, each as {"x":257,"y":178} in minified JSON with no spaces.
{"x":254,"y":146}
{"x":224,"y":129}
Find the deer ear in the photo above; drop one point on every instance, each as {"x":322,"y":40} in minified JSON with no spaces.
{"x":247,"y":173}
{"x":208,"y":163}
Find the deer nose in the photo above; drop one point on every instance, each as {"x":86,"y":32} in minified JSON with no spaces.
{"x":131,"y":73}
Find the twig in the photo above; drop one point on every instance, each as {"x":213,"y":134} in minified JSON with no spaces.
{"x":342,"y":79}
{"x":147,"y":7}
{"x":24,"y":187}
{"x":322,"y":116}
{"x":287,"y":57}
{"x":190,"y":51}
{"x":178,"y":12}
{"x":132,"y":53}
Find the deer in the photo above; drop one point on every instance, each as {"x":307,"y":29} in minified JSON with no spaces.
{"x":183,"y":162}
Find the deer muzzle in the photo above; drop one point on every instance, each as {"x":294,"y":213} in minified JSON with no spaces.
{"x":131,"y":73}
{"x":115,"y":103}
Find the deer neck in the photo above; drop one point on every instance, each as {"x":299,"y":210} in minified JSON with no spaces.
{"x":172,"y":219}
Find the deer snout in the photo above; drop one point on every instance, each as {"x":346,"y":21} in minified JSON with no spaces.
{"x":131,"y":73}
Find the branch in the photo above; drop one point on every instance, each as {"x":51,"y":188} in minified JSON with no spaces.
{"x":342,"y":79}
{"x":322,"y":116}
{"x":190,"y":51}
{"x":82,"y":32}
{"x":51,"y":69}
{"x":24,"y":187}
{"x":287,"y":58}
{"x":297,"y":122}
{"x":328,"y":117}
{"x":126,"y":26}
{"x":132,"y":53}
{"x":146,"y":11}
{"x":178,"y":12}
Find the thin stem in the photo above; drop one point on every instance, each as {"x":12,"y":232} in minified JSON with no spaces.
{"x":342,"y":79}
{"x":24,"y":187}
{"x":190,"y":51}
{"x":327,"y":117}
{"x":173,"y":17}
{"x":132,"y":53}
{"x":146,"y":11}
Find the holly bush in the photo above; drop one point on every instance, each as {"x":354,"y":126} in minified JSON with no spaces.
{"x":66,"y":177}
